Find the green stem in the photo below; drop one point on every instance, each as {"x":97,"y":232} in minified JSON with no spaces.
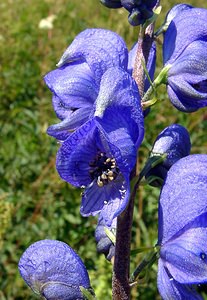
{"x":160,"y":79}
{"x":146,"y":262}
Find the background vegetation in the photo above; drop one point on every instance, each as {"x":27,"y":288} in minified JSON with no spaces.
{"x":34,"y":203}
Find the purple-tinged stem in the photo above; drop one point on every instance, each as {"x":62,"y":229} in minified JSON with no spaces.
{"x":120,"y":281}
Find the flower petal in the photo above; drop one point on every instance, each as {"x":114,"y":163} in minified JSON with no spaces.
{"x":75,"y":119}
{"x":120,"y":133}
{"x":118,"y":89}
{"x":187,"y":78}
{"x":170,"y":289}
{"x":52,"y":267}
{"x":110,"y":199}
{"x":183,"y":196}
{"x":192,"y":61}
{"x":182,"y":32}
{"x":174,"y":141}
{"x":73,"y":84}
{"x":100,"y":48}
{"x":186,"y":256}
{"x":76,"y":153}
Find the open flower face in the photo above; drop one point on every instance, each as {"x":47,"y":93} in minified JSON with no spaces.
{"x":101,"y":154}
{"x":75,"y":83}
{"x":183,"y":229}
{"x":89,"y":158}
{"x":184,"y":50}
{"x":52,"y":269}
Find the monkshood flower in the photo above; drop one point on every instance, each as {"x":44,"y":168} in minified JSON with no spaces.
{"x":139,"y":10}
{"x":101,"y":154}
{"x":174,"y":143}
{"x":75,"y":83}
{"x":184,"y":53}
{"x":104,"y":243}
{"x":182,"y":230}
{"x":53,"y":270}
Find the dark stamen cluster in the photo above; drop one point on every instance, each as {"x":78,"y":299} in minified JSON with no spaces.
{"x":103,"y":169}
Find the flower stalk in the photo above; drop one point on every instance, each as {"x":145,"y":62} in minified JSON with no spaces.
{"x":120,"y":281}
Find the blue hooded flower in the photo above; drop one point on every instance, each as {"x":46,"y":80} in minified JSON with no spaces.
{"x":139,"y":10}
{"x":100,"y":154}
{"x":182,"y":231}
{"x":174,"y":142}
{"x":75,"y":83}
{"x":184,"y":52}
{"x":52,"y":269}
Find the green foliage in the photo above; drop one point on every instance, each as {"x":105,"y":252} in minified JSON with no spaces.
{"x":34,"y":203}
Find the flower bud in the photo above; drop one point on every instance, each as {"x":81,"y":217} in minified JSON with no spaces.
{"x":174,"y":142}
{"x":53,"y":270}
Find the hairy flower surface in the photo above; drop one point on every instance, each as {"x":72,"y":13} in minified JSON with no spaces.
{"x":185,"y":52}
{"x":75,"y":83}
{"x":100,"y":154}
{"x":52,"y":269}
{"x":182,"y":231}
{"x":174,"y":142}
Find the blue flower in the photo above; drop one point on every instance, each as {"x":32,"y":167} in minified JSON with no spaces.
{"x":184,"y":51}
{"x":52,"y":269}
{"x":174,"y":142}
{"x":139,"y":10}
{"x":182,"y":231}
{"x":101,"y":154}
{"x":75,"y":83}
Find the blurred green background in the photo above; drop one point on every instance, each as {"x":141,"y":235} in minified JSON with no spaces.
{"x":34,"y":203}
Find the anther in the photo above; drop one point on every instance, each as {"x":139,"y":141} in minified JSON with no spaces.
{"x":99,"y":182}
{"x":103,"y":176}
{"x":110,"y":173}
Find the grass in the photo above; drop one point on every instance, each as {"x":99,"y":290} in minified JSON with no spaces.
{"x":34,"y":202}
